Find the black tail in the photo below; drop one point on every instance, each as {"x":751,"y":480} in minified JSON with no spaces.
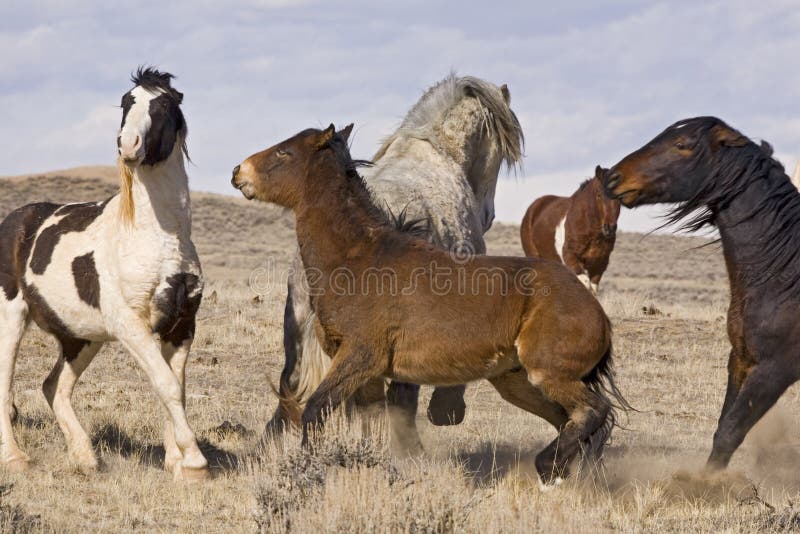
{"x":601,"y":381}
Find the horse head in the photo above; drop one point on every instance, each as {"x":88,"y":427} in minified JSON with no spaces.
{"x":494,"y":137}
{"x":673,"y":166}
{"x":152,"y":121}
{"x":278,"y":174}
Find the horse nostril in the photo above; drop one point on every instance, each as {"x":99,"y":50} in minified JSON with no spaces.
{"x":137,"y":142}
{"x":236,"y":170}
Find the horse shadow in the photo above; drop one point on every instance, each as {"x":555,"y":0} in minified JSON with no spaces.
{"x":113,"y":438}
{"x":491,"y":462}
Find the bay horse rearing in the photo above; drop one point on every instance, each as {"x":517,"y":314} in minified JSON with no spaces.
{"x":578,"y":231}
{"x":123,"y":269}
{"x":527,"y":325}
{"x":719,"y":177}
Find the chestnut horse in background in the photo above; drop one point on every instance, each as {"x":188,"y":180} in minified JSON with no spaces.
{"x":719,"y":177}
{"x":578,"y":231}
{"x":392,"y":305}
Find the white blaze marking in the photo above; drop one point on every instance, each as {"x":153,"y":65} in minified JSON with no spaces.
{"x":561,"y":238}
{"x":137,"y":121}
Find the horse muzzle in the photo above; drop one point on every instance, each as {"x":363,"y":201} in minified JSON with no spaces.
{"x":130,"y":148}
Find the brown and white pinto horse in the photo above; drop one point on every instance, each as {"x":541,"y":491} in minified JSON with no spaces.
{"x":578,"y":231}
{"x":526,"y":325}
{"x":122,"y":269}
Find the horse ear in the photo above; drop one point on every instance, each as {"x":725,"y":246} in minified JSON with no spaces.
{"x":727,"y":136}
{"x":326,"y":136}
{"x":599,"y":172}
{"x":345,"y":132}
{"x":506,"y":94}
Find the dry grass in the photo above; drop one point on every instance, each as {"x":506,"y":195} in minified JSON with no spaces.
{"x":667,"y":301}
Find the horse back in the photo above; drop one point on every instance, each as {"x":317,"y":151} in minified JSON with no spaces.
{"x":538,"y":228}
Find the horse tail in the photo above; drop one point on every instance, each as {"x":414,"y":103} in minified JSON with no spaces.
{"x":601,"y":381}
{"x":314,"y":363}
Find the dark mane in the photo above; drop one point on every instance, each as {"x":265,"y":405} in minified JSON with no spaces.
{"x":358,"y":187}
{"x":152,"y":79}
{"x":584,"y":184}
{"x":736,"y":169}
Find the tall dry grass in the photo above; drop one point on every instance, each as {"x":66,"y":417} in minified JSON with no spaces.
{"x":667,"y":301}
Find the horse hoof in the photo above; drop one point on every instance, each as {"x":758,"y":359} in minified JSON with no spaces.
{"x":190,"y":474}
{"x":447,"y":417}
{"x":17,"y":465}
{"x":546,"y":487}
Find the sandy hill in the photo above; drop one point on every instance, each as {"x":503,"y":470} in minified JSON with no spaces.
{"x":235,"y":236}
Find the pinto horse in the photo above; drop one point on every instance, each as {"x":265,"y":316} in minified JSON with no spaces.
{"x":392,"y":305}
{"x":121,"y":269}
{"x":719,"y":177}
{"x":578,"y":231}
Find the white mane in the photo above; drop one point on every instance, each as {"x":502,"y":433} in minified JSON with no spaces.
{"x":499,"y":121}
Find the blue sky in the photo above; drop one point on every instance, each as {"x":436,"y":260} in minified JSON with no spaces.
{"x":590,"y":81}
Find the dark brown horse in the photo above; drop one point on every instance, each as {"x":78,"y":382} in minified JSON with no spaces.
{"x":722,"y":178}
{"x":579,"y":231}
{"x":392,"y":305}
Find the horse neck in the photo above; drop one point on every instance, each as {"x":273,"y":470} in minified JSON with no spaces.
{"x":335,"y":220}
{"x":749,"y":226}
{"x":581,"y":210}
{"x":161,"y":197}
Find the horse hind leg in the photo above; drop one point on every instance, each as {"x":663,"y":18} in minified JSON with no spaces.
{"x":76,"y":355}
{"x":514,"y":387}
{"x":13,"y":323}
{"x":588,"y":414}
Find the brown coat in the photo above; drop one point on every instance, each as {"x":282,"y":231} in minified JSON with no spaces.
{"x":578,"y":231}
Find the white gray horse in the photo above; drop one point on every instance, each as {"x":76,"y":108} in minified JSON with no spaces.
{"x":440,"y":166}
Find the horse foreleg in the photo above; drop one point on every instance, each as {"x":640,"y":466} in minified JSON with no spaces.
{"x":176,"y":358}
{"x":738,"y":368}
{"x":401,"y":401}
{"x":574,"y":264}
{"x":351,"y":368}
{"x":76,"y":355}
{"x":137,"y":338}
{"x":762,"y":387}
{"x":447,"y":406}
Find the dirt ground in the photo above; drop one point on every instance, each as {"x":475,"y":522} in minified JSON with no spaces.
{"x":667,"y":297}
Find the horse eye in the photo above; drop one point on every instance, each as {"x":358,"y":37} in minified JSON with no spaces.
{"x":680,"y":146}
{"x":282,"y":153}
